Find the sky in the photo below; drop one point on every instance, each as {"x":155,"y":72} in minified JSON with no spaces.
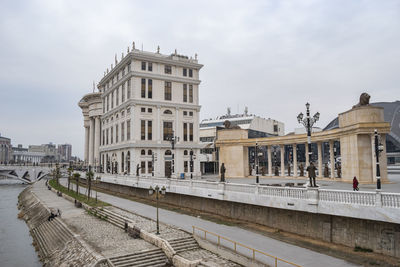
{"x":271,"y":56}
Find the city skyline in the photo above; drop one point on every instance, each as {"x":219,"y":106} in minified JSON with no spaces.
{"x":272,"y":57}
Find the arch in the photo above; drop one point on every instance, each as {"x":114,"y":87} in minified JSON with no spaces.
{"x":168,"y":152}
{"x":122,"y":162}
{"x":167,"y":112}
{"x":128,"y":162}
{"x":149,"y":152}
{"x":143,"y":152}
{"x":185,"y":152}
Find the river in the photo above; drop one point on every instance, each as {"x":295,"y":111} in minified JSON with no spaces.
{"x":15,"y":241}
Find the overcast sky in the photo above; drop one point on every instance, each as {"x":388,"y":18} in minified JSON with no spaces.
{"x":272,"y":56}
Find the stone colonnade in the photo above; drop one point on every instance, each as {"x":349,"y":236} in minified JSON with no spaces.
{"x":92,"y":141}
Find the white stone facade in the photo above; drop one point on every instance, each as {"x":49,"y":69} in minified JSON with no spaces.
{"x":129,"y":119}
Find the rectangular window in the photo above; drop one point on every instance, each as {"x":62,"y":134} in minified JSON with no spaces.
{"x":122,"y":131}
{"x":167,"y":91}
{"x":167,"y":130}
{"x":190,"y":73}
{"x":116,"y":133}
{"x":112,"y":135}
{"x":108,"y":103}
{"x":191,"y":93}
{"x":191,"y":113}
{"x":123,"y":93}
{"x":275,"y":128}
{"x":104,"y":138}
{"x":149,"y":130}
{"x":149,"y":167}
{"x":184,"y":113}
{"x":184,"y":92}
{"x":185,"y":131}
{"x":150,"y":66}
{"x":143,"y":110}
{"x":167,"y":69}
{"x":107,"y":136}
{"x":185,"y":72}
{"x":112,"y":100}
{"x":143,"y":65}
{"x":129,"y":67}
{"x":149,"y":110}
{"x":143,"y":130}
{"x":128,"y":95}
{"x":143,"y":167}
{"x":123,"y":71}
{"x":104,"y":105}
{"x":185,"y":166}
{"x":143,"y":88}
{"x":128,"y":129}
{"x":150,"y":88}
{"x":191,"y":132}
{"x":117,"y":96}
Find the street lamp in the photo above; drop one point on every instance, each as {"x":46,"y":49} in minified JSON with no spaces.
{"x":378,"y":150}
{"x":308,"y":122}
{"x":192,"y":158}
{"x":257,"y":162}
{"x":173,"y":139}
{"x":157,"y":191}
{"x":153,"y":160}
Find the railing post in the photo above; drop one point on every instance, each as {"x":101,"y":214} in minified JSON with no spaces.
{"x":254,"y":254}
{"x":193,"y":229}
{"x":313,"y":197}
{"x":218,"y":240}
{"x":276,"y":262}
{"x":205,"y":235}
{"x":378,"y":200}
{"x":235,"y":246}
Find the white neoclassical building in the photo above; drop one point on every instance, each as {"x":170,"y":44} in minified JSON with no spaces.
{"x":145,"y":101}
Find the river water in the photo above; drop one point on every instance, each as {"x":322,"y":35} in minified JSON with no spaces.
{"x":15,"y":242}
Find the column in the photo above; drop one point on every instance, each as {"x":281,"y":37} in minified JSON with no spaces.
{"x":158,"y":123}
{"x":282,"y":147}
{"x":269,"y":161}
{"x":320,"y":171}
{"x":91,"y":142}
{"x":97,"y":141}
{"x":306,"y":154}
{"x":332,"y":158}
{"x":294,"y":160}
{"x":86,"y":144}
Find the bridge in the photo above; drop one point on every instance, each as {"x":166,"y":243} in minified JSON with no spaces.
{"x":26,"y":174}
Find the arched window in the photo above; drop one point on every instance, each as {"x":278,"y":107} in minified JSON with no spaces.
{"x":143,"y":152}
{"x":149,"y":152}
{"x":185,"y":153}
{"x":168,"y":112}
{"x":168,"y":152}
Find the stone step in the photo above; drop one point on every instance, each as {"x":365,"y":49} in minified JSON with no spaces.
{"x":63,"y":231}
{"x":117,"y":215}
{"x":45,"y":241}
{"x":147,"y":261}
{"x":180,"y":239}
{"x":183,"y":242}
{"x":114,"y":220}
{"x":136,"y":255}
{"x":43,"y":247}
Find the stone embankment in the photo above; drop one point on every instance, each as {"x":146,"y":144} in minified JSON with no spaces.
{"x":105,"y":236}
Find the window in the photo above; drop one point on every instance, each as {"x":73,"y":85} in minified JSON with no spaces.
{"x":149,"y":167}
{"x":168,"y":153}
{"x":185,"y":113}
{"x":167,"y":69}
{"x":167,"y":130}
{"x":143,"y":88}
{"x":185,"y":72}
{"x":129,"y":67}
{"x":167,"y":112}
{"x":149,"y":152}
{"x":104,"y":105}
{"x":191,"y":93}
{"x":150,"y":88}
{"x":143,"y":130}
{"x":150,"y":66}
{"x":275,"y":128}
{"x":123,"y":71}
{"x":167,"y":91}
{"x":117,"y":96}
{"x":128,"y":95}
{"x":185,"y":131}
{"x":128,"y":111}
{"x":143,"y":110}
{"x":185,"y":152}
{"x":185,"y":166}
{"x":149,"y":130}
{"x":116,"y":133}
{"x":184,"y":92}
{"x":108,"y":103}
{"x":122,"y":131}
{"x":143,"y":65}
{"x":191,"y":132}
{"x":112,"y":100}
{"x":123,"y":93}
{"x":107,"y":136}
{"x":112,"y":134}
{"x":143,"y":167}
{"x":143,"y":152}
{"x":150,"y":110}
{"x":128,"y":129}
{"x":191,"y":113}
{"x":190,"y":73}
{"x":104,"y":138}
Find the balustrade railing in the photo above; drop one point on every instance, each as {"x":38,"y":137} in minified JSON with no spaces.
{"x":299,"y":193}
{"x":391,"y":200}
{"x":348,"y":197}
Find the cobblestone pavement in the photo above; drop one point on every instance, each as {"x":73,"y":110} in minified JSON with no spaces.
{"x":325,"y":183}
{"x":208,"y":257}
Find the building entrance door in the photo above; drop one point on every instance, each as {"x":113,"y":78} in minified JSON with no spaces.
{"x":168,"y":165}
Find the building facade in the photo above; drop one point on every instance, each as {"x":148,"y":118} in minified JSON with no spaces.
{"x":146,"y":102}
{"x":5,"y":150}
{"x":65,"y":152}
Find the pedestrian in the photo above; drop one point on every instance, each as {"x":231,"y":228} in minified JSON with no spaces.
{"x":311,"y":174}
{"x":223,"y":170}
{"x":355,"y":184}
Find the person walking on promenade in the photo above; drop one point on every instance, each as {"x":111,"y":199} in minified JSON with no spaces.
{"x":311,"y":174}
{"x":355,"y":184}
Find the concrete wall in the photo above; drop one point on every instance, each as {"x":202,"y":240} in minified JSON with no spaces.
{"x":381,"y":237}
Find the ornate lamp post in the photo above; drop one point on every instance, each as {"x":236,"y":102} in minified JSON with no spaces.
{"x":378,"y":149}
{"x":192,"y":158}
{"x":308,"y":122}
{"x":153,"y":160}
{"x":173,"y":139}
{"x":258,"y":154}
{"x":157,"y":191}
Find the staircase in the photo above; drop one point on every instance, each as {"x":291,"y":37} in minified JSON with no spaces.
{"x":148,"y":258}
{"x":51,"y":236}
{"x":184,"y":244}
{"x":111,"y":217}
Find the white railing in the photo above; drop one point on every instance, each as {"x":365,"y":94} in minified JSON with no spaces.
{"x":348,"y":197}
{"x":390,"y":200}
{"x":299,"y":193}
{"x":241,"y":188}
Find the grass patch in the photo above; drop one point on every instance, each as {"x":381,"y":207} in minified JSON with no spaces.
{"x":79,"y":197}
{"x":360,"y":249}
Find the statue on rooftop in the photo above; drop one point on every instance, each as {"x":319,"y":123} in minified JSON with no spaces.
{"x":228,"y":125}
{"x":364,"y":100}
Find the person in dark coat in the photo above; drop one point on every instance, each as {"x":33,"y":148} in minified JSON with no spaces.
{"x":355,"y":184}
{"x":223,"y":170}
{"x":311,"y":174}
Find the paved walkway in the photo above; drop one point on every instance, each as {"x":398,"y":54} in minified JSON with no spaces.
{"x":325,"y":183}
{"x":299,"y":255}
